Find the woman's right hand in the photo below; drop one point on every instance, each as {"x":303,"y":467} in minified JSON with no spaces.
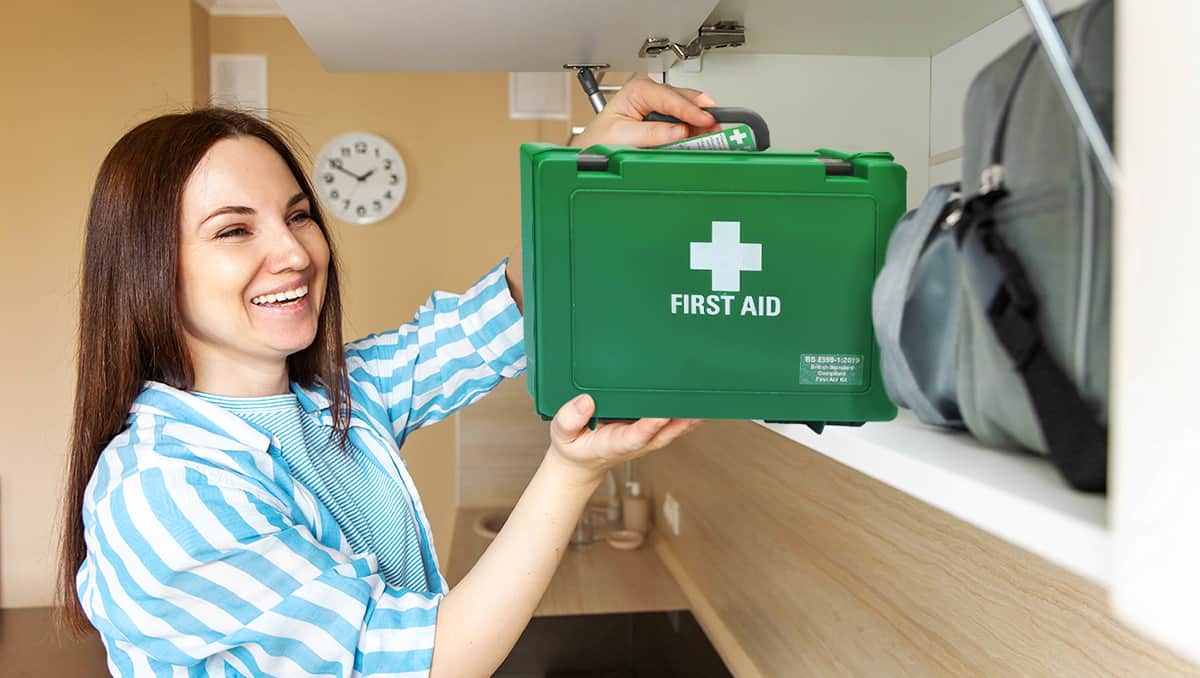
{"x":590,"y":453}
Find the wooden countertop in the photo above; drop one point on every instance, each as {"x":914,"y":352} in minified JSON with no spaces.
{"x":597,"y":580}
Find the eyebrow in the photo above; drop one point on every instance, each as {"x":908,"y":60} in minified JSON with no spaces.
{"x":241,"y":209}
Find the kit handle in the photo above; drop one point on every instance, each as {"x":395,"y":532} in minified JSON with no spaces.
{"x":729,"y":114}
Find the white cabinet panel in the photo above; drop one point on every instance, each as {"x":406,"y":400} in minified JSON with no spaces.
{"x":848,"y":103}
{"x":860,"y":27}
{"x":1155,"y":433}
{"x":945,"y":172}
{"x":468,"y":35}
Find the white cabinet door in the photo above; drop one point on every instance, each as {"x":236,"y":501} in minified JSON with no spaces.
{"x":1155,"y":432}
{"x":488,"y":35}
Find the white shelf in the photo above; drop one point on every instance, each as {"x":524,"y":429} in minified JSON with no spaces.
{"x":1016,"y":496}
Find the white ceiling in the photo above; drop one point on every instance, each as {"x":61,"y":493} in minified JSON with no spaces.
{"x":542,"y":35}
{"x":487,"y":35}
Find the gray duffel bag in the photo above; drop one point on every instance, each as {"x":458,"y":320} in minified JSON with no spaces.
{"x":915,"y":308}
{"x":1033,"y":236}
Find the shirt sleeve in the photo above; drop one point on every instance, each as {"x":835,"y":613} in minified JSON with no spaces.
{"x":206,"y":570}
{"x":455,"y":350}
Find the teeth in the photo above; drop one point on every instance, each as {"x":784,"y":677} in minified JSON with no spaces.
{"x":281,"y":296}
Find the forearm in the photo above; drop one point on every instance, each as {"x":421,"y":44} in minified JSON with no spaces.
{"x":512,"y":273}
{"x":480,"y":620}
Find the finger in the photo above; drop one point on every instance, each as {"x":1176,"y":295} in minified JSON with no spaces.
{"x":572,"y":419}
{"x":654,"y":97}
{"x":696,"y":96}
{"x":697,"y":131}
{"x":672,"y":432}
{"x":643,"y":134}
{"x":631,"y":438}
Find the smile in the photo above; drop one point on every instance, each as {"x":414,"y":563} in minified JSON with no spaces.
{"x":281,"y":298}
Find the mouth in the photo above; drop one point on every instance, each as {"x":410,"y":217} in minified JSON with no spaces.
{"x":283,"y":299}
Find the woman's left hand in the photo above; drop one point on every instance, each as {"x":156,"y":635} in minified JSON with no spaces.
{"x":620,"y":122}
{"x":590,"y":453}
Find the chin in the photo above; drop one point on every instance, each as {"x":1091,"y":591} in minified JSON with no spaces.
{"x":291,"y":347}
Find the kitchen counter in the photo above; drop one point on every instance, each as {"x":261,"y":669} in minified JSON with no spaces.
{"x":597,"y":580}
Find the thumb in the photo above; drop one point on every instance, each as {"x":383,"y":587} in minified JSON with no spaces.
{"x":572,"y":419}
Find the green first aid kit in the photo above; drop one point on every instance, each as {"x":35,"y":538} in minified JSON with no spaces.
{"x":706,"y":284}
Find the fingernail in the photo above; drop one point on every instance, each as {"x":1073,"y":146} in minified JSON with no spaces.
{"x":581,"y":403}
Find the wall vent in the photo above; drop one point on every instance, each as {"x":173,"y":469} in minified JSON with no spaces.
{"x":539,"y":96}
{"x":239,"y":81}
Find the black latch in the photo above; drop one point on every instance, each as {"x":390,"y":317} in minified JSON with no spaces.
{"x":837,"y":168}
{"x":591,"y":162}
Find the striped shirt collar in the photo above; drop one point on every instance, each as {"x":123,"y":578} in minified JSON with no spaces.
{"x":312,"y":400}
{"x":159,"y":399}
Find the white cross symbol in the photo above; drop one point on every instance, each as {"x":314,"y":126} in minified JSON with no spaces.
{"x":726,"y":256}
{"x":738,"y":136}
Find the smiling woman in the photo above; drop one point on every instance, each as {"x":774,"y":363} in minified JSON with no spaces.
{"x":236,"y":501}
{"x":156,"y":299}
{"x":252,"y":273}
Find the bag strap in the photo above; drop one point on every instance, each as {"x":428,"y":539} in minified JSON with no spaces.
{"x":1077,"y":443}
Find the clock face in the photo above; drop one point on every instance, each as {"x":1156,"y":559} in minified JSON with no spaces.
{"x":359,"y":177}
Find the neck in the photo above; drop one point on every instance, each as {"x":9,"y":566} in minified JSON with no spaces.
{"x":223,"y":375}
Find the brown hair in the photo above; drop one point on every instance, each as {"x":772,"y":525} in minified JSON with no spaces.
{"x":130,"y":330}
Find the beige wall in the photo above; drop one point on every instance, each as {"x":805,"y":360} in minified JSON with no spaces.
{"x":79,"y":75}
{"x":76,"y":76}
{"x":200,"y":54}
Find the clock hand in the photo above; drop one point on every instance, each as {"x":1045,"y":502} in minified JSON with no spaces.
{"x":338,"y":166}
{"x":365,"y":176}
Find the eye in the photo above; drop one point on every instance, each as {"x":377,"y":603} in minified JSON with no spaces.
{"x":299,"y":217}
{"x":232,"y":232}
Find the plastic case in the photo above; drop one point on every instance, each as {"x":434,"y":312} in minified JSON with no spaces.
{"x":708,"y":284}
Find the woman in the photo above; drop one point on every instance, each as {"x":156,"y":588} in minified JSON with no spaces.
{"x":236,"y":500}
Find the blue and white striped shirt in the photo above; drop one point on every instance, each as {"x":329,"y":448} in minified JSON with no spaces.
{"x":374,"y":511}
{"x":208,"y":557}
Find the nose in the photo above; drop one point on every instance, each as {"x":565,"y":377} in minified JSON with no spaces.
{"x":286,"y":253}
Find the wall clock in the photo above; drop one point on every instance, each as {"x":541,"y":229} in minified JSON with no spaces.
{"x":359,"y":177}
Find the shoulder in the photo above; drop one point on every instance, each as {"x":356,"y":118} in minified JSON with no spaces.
{"x":169,"y":438}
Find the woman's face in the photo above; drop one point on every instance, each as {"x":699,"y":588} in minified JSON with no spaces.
{"x":252,"y":262}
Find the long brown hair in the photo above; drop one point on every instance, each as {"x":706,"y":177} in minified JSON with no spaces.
{"x":130,"y":329}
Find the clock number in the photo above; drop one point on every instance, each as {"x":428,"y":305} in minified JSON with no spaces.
{"x":361,"y":211}
{"x":327,"y":177}
{"x":345,"y":205}
{"x":345,"y":151}
{"x":388,"y":195}
{"x":377,"y":205}
{"x":360,"y":147}
{"x":394,"y":180}
{"x":334,"y":194}
{"x":335,"y":163}
{"x":376,"y":151}
{"x":387,"y":164}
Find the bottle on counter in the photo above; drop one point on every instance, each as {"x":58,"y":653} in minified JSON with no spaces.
{"x":636,"y":508}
